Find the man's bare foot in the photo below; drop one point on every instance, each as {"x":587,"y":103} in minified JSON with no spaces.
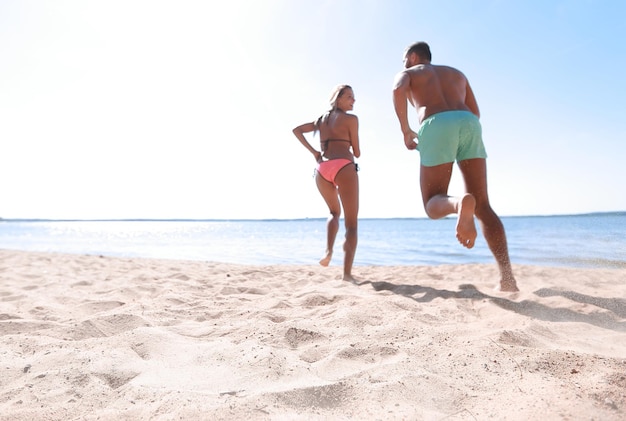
{"x":507,"y":285}
{"x":326,"y":259}
{"x":351,"y":279}
{"x":465,"y":227}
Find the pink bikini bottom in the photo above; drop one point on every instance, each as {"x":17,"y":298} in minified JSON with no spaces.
{"x":329,"y":169}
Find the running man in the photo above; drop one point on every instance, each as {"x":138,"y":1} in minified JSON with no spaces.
{"x":450,"y":131}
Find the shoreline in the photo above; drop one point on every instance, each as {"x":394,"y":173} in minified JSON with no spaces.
{"x":557,"y":263}
{"x":90,"y":337}
{"x":582,"y":241}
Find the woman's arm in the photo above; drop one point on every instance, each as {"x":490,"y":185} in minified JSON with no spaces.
{"x":299,"y":133}
{"x":354,"y":136}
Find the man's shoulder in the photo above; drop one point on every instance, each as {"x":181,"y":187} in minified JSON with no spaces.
{"x":445,"y":68}
{"x":428,"y":69}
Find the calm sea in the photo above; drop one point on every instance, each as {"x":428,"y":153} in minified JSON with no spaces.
{"x":592,"y":240}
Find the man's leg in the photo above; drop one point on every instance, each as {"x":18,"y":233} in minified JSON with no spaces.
{"x":434,"y":183}
{"x":475,"y":176}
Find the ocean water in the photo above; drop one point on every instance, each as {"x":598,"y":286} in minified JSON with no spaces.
{"x":592,"y":240}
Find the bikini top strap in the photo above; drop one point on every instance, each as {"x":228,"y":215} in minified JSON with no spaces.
{"x":325,"y":142}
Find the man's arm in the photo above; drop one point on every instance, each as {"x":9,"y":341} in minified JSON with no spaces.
{"x":470,"y":100}
{"x":401,"y":90}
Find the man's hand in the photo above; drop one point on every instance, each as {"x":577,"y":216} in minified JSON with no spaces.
{"x":408,"y":140}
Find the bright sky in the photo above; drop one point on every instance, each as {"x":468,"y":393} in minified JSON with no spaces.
{"x":184,"y":109}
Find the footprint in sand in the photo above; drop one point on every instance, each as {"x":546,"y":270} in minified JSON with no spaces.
{"x":296,"y":337}
{"x":105,"y":326}
{"x":326,"y":397}
{"x":95,"y":307}
{"x":308,"y":341}
{"x":318,"y":300}
{"x":116,"y":379}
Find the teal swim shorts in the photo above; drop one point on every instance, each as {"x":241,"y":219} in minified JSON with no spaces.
{"x":450,"y":136}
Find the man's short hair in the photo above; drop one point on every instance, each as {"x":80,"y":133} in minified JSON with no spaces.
{"x":421,"y":49}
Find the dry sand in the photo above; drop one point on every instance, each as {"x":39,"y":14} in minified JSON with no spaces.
{"x":101,"y":338}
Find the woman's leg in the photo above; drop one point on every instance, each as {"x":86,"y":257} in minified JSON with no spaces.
{"x":329,"y":193}
{"x":348,"y":182}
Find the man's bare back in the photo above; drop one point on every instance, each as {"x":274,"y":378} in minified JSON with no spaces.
{"x":435,"y":88}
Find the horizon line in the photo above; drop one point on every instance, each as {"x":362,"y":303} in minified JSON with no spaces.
{"x":275,"y":219}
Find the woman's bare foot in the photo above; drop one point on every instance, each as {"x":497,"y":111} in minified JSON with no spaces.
{"x":326,"y":259}
{"x":465,"y":227}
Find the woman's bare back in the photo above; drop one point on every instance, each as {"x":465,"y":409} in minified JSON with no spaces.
{"x":337,"y":135}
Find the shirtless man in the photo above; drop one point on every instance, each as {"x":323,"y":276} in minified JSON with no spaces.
{"x":450,"y":131}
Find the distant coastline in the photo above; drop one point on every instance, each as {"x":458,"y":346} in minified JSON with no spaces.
{"x":608,"y":213}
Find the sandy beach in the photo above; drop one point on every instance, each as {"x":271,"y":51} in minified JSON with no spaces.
{"x":100,"y":338}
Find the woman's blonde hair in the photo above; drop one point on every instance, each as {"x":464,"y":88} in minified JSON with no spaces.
{"x":334,"y":96}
